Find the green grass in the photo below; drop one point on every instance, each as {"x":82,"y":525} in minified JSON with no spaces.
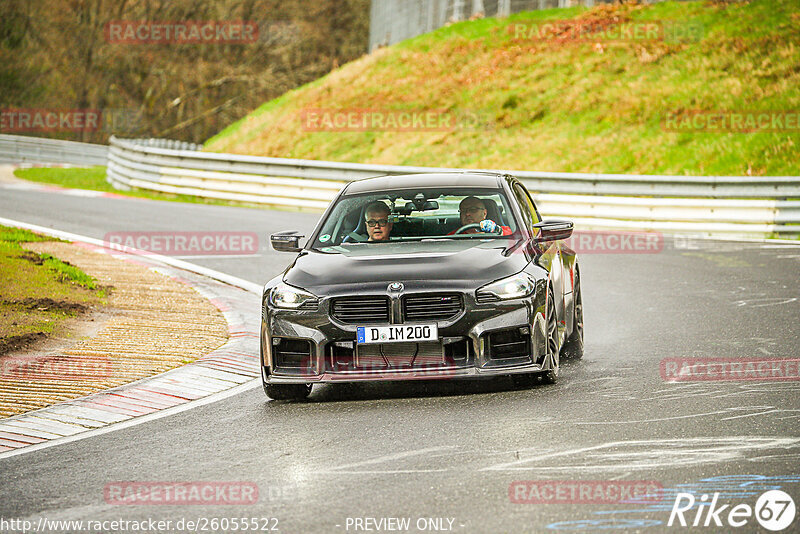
{"x":553,"y":106}
{"x":38,"y":292}
{"x":91,"y":178}
{"x":67,"y":272}
{"x":10,"y":239}
{"x":94,"y":179}
{"x":10,"y":235}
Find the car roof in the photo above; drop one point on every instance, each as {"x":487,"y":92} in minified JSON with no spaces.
{"x":414,"y":181}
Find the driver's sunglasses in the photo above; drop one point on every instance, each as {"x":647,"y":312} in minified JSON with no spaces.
{"x":372,"y":223}
{"x":474,"y":209}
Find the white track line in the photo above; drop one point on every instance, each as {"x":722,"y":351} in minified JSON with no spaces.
{"x":136,"y":420}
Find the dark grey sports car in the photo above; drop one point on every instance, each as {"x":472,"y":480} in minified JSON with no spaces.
{"x":427,"y":276}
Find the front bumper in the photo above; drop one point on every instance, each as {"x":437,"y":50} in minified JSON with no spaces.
{"x":323,"y":349}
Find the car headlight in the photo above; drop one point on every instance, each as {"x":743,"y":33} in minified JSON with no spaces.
{"x":514,"y":287}
{"x":288,"y":297}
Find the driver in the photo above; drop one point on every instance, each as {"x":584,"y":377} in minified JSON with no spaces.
{"x":376,"y":216}
{"x":473,"y":211}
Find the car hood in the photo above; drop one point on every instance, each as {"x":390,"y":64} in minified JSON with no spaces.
{"x":425,"y":262}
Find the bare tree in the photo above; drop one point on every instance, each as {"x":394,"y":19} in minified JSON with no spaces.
{"x":187,"y":91}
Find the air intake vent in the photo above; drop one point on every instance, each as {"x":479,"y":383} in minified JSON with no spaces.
{"x":309,"y":305}
{"x":432,"y":306}
{"x":292,"y":353}
{"x":361,"y":310}
{"x":482,"y":297}
{"x":509,"y":344}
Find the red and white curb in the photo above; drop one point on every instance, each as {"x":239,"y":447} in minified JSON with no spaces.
{"x":226,"y":371}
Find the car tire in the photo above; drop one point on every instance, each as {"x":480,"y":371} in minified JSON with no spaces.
{"x":553,"y":350}
{"x":573,"y":346}
{"x":287,"y":391}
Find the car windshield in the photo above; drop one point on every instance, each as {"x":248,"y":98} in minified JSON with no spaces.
{"x":416,"y":215}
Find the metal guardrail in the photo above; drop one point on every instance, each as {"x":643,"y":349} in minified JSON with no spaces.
{"x":721,"y":205}
{"x":20,"y":149}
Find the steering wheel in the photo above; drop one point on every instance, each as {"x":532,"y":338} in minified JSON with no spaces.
{"x":474,"y":225}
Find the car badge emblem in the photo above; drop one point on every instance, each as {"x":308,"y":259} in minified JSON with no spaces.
{"x":395,"y":286}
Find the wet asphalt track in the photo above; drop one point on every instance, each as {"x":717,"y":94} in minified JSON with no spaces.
{"x":452,"y":449}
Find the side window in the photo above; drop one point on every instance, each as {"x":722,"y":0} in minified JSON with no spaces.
{"x":524,"y":206}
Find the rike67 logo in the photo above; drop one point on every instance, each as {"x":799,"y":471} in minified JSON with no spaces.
{"x":774,"y":511}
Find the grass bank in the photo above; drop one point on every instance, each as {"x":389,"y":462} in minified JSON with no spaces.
{"x":551,"y":103}
{"x":38,"y":292}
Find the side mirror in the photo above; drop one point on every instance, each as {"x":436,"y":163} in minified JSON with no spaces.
{"x":286,"y":241}
{"x":553,"y":230}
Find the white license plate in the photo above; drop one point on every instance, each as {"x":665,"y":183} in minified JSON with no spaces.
{"x":397,"y":334}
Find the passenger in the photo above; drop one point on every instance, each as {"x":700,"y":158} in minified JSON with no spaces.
{"x":473,"y":211}
{"x":379,"y":226}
